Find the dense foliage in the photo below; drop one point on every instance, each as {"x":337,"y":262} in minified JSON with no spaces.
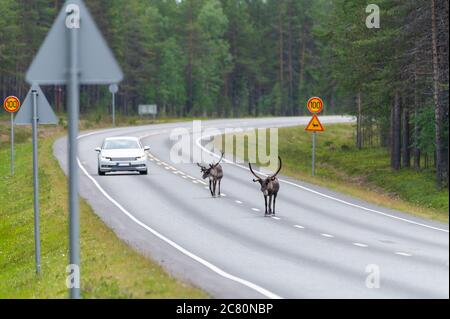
{"x":232,"y":58}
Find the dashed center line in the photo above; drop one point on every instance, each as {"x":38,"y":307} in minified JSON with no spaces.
{"x":403,"y":254}
{"x":238,"y":202}
{"x":327,"y":235}
{"x":299,"y":227}
{"x":276,"y":218}
{"x":360,"y":245}
{"x":256,"y":210}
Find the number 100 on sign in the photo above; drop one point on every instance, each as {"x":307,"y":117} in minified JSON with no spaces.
{"x":315,"y":105}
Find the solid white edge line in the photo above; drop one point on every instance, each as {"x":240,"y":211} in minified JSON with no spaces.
{"x":324,"y":195}
{"x":205,"y":263}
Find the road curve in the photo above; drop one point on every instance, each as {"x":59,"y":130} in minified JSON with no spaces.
{"x":321,"y":245}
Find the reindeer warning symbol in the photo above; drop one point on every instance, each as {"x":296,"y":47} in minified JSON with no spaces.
{"x":315,"y":125}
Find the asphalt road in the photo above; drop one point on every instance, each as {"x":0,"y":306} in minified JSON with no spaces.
{"x":321,"y":244}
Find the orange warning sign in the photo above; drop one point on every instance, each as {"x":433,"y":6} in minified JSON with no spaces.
{"x":11,"y":104}
{"x":315,"y":125}
{"x":315,"y":105}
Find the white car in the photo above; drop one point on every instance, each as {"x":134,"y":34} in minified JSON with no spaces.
{"x":122,"y":154}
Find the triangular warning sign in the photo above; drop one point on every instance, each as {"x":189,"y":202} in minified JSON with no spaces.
{"x":97,"y":64}
{"x":315,"y":125}
{"x":45,"y":112}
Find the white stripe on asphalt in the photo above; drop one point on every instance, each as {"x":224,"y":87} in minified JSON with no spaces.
{"x":403,"y":254}
{"x":299,"y":227}
{"x":327,"y":235}
{"x":205,"y":263}
{"x":361,"y":245}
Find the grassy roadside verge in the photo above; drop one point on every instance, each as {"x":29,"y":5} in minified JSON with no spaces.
{"x":365,"y":174}
{"x":111,"y":269}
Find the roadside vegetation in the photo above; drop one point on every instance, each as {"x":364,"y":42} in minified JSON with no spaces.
{"x":111,"y":269}
{"x":363,"y":173}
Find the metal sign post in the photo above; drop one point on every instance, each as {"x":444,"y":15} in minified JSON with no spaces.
{"x":12,"y":144}
{"x":113,"y":88}
{"x":314,"y":154}
{"x":37,"y":239}
{"x":36,"y":110}
{"x":73,"y":106}
{"x":74,"y":64}
{"x":12,"y":105}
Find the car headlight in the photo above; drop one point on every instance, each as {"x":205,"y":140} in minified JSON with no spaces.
{"x":103,"y":158}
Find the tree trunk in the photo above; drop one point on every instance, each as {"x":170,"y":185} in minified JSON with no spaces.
{"x":416,"y":150}
{"x":437,"y":106}
{"x":406,"y":154}
{"x":396,"y":134}
{"x":359,"y":142}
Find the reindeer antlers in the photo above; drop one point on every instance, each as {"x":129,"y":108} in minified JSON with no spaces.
{"x":251,"y":170}
{"x":279,"y":169}
{"x":223,"y":153}
{"x":273,"y":176}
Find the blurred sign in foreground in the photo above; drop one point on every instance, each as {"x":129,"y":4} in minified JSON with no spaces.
{"x":73,"y":53}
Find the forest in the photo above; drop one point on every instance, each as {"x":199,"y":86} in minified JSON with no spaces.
{"x":236,"y":58}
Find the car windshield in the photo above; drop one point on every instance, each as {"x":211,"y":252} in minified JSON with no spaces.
{"x":121,"y":145}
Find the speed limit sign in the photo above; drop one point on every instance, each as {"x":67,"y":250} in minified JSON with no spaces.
{"x":315,"y":105}
{"x":11,"y":104}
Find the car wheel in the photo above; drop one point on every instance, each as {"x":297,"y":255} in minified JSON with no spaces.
{"x":101,"y":173}
{"x":144,"y":173}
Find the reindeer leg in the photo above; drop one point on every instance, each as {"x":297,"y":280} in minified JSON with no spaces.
{"x":274,"y":202}
{"x":211,"y":187}
{"x":265,"y":199}
{"x":220,"y":182}
{"x":215,"y":185}
{"x":270,"y":205}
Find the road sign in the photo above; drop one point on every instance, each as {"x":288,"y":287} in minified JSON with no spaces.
{"x":315,"y":125}
{"x":73,"y":53}
{"x":113,"y":88}
{"x":96,"y":63}
{"x":45,"y":114}
{"x":148,"y":109}
{"x":315,"y":105}
{"x":11,"y":104}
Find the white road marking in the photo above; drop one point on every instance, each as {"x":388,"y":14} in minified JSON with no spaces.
{"x":276,"y":218}
{"x":299,"y":227}
{"x":256,"y":210}
{"x":205,"y":263}
{"x":238,"y":202}
{"x":403,"y":254}
{"x":224,"y":195}
{"x":199,"y":144}
{"x":327,"y":235}
{"x":195,"y":182}
{"x":360,"y":245}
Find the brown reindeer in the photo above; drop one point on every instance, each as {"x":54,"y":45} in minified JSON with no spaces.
{"x":269,"y":187}
{"x":215,"y":174}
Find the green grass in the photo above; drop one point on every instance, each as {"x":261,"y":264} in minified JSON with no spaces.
{"x":362,"y":173}
{"x":110,"y":268}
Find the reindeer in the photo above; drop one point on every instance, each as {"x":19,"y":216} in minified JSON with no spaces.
{"x":215,"y":175}
{"x":269,"y":187}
